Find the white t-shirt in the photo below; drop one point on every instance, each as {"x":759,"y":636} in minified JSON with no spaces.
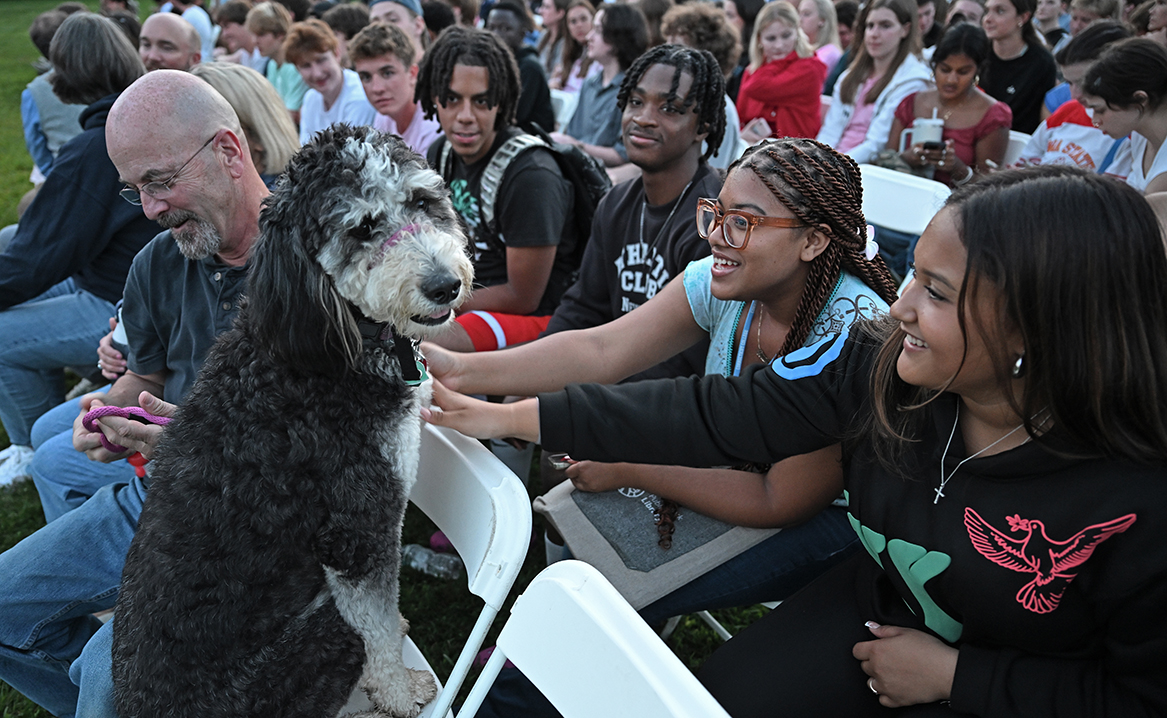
{"x":420,"y":134}
{"x":1137,"y":178}
{"x":1067,"y":137}
{"x":351,"y":106}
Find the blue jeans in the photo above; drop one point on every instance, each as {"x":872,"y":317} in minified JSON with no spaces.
{"x":65,"y":478}
{"x":42,"y":336}
{"x":50,"y":585}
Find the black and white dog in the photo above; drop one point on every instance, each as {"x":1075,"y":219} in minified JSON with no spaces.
{"x":263,"y":577}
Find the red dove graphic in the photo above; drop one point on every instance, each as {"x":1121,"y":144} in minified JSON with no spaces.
{"x":1053,"y":562}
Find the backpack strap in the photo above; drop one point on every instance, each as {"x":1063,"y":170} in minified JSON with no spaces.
{"x":493,"y":174}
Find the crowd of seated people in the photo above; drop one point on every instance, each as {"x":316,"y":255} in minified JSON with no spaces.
{"x":734,"y":133}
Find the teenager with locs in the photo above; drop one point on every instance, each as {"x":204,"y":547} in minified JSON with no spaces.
{"x":1006,"y":441}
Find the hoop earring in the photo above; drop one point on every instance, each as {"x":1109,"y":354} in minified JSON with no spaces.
{"x":1019,"y":367}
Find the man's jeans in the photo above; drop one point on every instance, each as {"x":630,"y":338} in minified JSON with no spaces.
{"x":60,"y":328}
{"x":50,"y":585}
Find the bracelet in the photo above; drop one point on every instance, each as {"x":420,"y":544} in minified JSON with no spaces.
{"x":965,"y":180}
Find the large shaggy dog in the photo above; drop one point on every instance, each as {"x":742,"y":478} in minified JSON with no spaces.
{"x":263,"y":577}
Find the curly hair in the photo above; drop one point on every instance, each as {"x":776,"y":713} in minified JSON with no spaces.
{"x":824,"y":189}
{"x":459,"y":45}
{"x":706,"y":93}
{"x":705,"y":27}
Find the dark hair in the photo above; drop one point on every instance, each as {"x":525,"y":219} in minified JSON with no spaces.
{"x":318,"y":9}
{"x":297,"y":8}
{"x":1028,"y":29}
{"x":349,"y":19}
{"x":559,"y":27}
{"x":1140,"y":18}
{"x":963,"y":39}
{"x":862,"y":65}
{"x":705,"y":27}
{"x":748,"y":11}
{"x":92,"y":58}
{"x":1127,"y":67}
{"x":821,"y":187}
{"x":437,"y":15}
{"x":1090,"y":43}
{"x":519,"y":10}
{"x":232,"y":11}
{"x":573,"y":50}
{"x":459,"y":45}
{"x":44,"y":27}
{"x":1090,"y":314}
{"x":653,"y":11}
{"x":71,"y":7}
{"x":128,"y":23}
{"x":845,"y":11}
{"x":625,"y":30}
{"x":706,"y":92}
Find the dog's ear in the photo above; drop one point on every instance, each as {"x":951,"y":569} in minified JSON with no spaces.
{"x":296,"y":314}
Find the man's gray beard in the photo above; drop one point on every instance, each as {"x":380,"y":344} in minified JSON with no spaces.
{"x":199,"y":241}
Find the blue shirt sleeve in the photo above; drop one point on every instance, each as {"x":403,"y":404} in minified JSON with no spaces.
{"x":34,"y":136}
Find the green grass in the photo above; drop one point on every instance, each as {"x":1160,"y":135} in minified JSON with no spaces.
{"x":441,"y":613}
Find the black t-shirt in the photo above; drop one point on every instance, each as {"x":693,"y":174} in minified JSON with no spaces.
{"x":533,"y":208}
{"x":535,"y":98}
{"x":1021,"y":83}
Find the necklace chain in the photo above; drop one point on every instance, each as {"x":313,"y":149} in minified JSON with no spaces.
{"x":943,"y":457}
{"x":676,"y":204}
{"x":761,"y":354}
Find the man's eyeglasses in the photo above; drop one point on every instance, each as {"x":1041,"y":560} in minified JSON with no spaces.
{"x":160,"y":190}
{"x":736,"y":225}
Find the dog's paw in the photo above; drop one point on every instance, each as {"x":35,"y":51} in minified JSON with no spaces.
{"x":404,"y":625}
{"x":418,"y":690}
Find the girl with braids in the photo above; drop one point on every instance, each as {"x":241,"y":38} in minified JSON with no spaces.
{"x":885,"y":70}
{"x":791,"y":264}
{"x":1005,"y":465}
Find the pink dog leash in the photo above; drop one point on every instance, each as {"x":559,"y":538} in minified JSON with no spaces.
{"x":128,"y":412}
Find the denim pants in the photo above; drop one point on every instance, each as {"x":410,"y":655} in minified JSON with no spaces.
{"x":50,"y":585}
{"x":42,"y":336}
{"x":65,"y":478}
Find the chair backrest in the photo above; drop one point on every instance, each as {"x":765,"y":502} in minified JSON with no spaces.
{"x":563,"y":104}
{"x":485,"y":512}
{"x":590,"y":654}
{"x":900,"y":201}
{"x":479,"y":504}
{"x":1017,"y":143}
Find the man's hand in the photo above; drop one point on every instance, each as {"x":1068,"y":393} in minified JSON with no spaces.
{"x":110,"y":360}
{"x":134,"y":435}
{"x":906,"y":666}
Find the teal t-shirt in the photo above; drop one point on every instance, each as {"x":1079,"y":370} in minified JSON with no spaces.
{"x":288,"y":83}
{"x":851,"y":301}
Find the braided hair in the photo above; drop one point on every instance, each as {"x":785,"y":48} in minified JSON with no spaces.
{"x":459,"y":45}
{"x":706,"y":93}
{"x":822,"y":188}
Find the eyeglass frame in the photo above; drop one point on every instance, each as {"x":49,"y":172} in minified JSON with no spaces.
{"x":754,"y":220}
{"x":133,"y":195}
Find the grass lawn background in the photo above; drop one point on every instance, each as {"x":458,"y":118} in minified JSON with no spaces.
{"x":441,"y":613}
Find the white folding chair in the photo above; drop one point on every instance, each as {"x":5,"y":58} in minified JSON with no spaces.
{"x":485,"y":512}
{"x":590,"y":654}
{"x":563,"y":104}
{"x":900,"y":201}
{"x":1017,"y":143}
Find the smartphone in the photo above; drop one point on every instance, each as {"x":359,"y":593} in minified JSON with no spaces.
{"x":937,"y":146}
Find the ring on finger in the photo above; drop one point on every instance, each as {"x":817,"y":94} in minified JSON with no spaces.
{"x":871,"y":685}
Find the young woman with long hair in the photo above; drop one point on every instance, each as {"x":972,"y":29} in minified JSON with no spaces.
{"x":782,"y":85}
{"x":553,"y":14}
{"x":1020,"y":69}
{"x":1005,"y":463}
{"x":886,"y":69}
{"x":976,"y":126}
{"x":820,"y":22}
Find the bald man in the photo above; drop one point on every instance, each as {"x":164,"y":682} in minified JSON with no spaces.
{"x":167,"y":42}
{"x":178,"y":146}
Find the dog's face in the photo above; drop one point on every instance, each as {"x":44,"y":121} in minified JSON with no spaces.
{"x":360,"y":219}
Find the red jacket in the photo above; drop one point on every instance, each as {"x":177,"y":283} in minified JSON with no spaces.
{"x":785,"y":93}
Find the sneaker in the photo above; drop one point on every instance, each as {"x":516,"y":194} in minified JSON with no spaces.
{"x":14,"y":464}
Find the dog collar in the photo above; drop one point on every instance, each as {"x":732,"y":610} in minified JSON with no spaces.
{"x":414,"y":369}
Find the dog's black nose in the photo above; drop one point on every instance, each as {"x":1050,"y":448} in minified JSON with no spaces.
{"x":441,"y":289}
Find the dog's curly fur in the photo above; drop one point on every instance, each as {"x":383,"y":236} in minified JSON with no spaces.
{"x":263,"y":577}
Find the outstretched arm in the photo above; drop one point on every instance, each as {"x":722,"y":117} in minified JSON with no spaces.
{"x":481,"y":419}
{"x":604,"y":354}
{"x":792,"y":491}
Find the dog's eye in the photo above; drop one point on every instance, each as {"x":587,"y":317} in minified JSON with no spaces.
{"x":423,"y":204}
{"x":363,"y":231}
